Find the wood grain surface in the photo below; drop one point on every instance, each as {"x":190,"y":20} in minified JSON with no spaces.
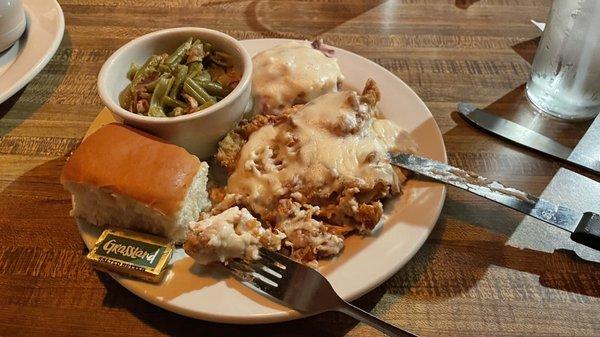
{"x":469,"y":279}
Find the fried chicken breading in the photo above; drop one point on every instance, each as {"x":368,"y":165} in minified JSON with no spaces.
{"x":316,"y":173}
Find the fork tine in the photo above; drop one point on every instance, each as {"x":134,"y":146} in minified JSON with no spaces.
{"x":273,"y":270}
{"x":269,"y":262}
{"x":241,"y":265}
{"x":264,"y":256}
{"x":276,"y":257}
{"x":258,"y":268}
{"x":240,"y":275}
{"x":262,"y":285}
{"x":239,"y":269}
{"x":245,"y":273}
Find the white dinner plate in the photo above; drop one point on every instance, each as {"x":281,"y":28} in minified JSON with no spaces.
{"x":30,"y":54}
{"x":210,"y":294}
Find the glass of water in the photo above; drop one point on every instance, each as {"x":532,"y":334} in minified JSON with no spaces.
{"x":565,"y":75}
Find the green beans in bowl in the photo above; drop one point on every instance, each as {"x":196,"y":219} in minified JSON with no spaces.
{"x":198,"y":131}
{"x":191,"y":78}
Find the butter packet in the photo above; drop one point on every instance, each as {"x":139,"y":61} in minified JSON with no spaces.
{"x":130,"y":253}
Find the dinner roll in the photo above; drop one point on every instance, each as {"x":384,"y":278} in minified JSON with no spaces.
{"x":123,"y":177}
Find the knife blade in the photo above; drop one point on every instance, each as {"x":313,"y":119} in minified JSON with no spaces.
{"x":525,"y":137}
{"x":584,"y":227}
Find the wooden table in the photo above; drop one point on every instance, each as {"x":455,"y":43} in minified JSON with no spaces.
{"x":469,"y":279}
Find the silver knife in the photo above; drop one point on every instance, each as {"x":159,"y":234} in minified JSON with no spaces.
{"x":525,"y":137}
{"x":584,"y":227}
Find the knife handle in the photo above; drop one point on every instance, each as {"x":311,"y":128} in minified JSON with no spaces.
{"x":588,"y":231}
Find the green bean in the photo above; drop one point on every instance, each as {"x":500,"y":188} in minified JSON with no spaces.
{"x":179,"y":53}
{"x":196,"y":91}
{"x":150,"y":65}
{"x":195,"y":68}
{"x":176,"y":112}
{"x":156,"y":111}
{"x":151,"y":85}
{"x":133,"y":69}
{"x":207,"y":47}
{"x":196,"y":52}
{"x":136,"y":82}
{"x":160,"y":92}
{"x":181,"y":72}
{"x":164,"y":68}
{"x":198,"y":42}
{"x":213,"y":88}
{"x":204,"y":75}
{"x":148,"y":68}
{"x":173,"y":103}
{"x":193,"y":93}
{"x":125,"y":98}
{"x":206,"y":105}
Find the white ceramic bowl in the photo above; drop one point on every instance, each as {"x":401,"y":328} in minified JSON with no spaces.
{"x":12,"y":22}
{"x":198,"y":132}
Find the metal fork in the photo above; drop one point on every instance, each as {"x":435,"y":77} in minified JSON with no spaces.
{"x":301,"y":288}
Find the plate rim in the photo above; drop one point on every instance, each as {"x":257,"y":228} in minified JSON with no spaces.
{"x":288,"y":315}
{"x":29,"y":7}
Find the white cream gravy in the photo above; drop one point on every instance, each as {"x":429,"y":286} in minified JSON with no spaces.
{"x":292,"y":73}
{"x":331,"y":142}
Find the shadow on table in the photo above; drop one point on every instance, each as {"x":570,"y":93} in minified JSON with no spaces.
{"x":9,"y":103}
{"x":464,"y":4}
{"x":262,"y":18}
{"x":526,"y":49}
{"x":326,"y":324}
{"x":561,"y":270}
{"x":23,"y":104}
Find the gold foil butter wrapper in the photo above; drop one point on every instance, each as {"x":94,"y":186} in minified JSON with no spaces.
{"x":130,"y":253}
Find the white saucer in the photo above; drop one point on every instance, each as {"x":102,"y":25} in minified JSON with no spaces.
{"x":30,"y":54}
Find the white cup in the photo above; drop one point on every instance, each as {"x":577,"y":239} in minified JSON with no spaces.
{"x":198,"y":132}
{"x":12,"y":22}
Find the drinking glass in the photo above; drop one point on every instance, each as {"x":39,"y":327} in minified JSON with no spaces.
{"x":565,"y":75}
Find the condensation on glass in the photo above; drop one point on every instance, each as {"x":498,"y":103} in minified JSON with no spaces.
{"x":565,"y":76}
